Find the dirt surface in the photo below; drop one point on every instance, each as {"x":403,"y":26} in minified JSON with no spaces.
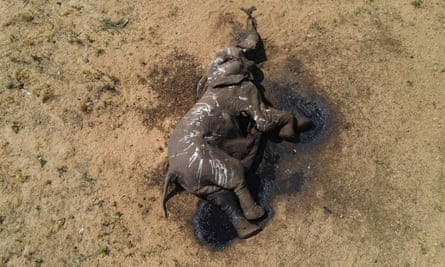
{"x":90,"y":91}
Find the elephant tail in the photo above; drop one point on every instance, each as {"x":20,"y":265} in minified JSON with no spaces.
{"x":171,"y":178}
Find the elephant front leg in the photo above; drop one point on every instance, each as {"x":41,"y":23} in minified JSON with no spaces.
{"x":286,"y":121}
{"x":288,"y":125}
{"x":226,"y":201}
{"x":273,"y":119}
{"x":266,"y":118}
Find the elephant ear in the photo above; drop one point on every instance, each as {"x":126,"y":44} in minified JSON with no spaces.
{"x":226,"y":80}
{"x":228,"y":68}
{"x":213,"y":82}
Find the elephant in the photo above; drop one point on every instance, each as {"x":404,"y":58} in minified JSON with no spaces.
{"x":214,"y":145}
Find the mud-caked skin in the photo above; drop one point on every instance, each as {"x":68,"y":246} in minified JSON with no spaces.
{"x":210,"y":150}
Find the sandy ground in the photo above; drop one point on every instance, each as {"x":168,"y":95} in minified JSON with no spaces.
{"x":88,"y":99}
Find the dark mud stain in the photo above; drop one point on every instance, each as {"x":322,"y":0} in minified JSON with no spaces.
{"x":212,"y":227}
{"x":291,"y":98}
{"x":281,"y":170}
{"x":174,"y":80}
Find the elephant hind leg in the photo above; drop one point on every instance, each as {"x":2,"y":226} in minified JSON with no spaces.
{"x":251,"y":210}
{"x":304,"y":123}
{"x":229,"y":174}
{"x":226,"y":201}
{"x":288,"y":131}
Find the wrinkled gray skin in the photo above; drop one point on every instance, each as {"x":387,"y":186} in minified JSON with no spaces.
{"x":210,"y":151}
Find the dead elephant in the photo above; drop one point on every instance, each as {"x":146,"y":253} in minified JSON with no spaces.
{"x":215,"y":143}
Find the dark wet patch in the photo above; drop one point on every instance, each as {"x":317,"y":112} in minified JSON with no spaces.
{"x":281,"y":170}
{"x":300,"y":101}
{"x":212,"y":227}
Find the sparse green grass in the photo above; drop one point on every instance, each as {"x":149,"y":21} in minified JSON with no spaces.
{"x":100,"y":51}
{"x":26,"y":17}
{"x":77,"y":7}
{"x":29,"y":43}
{"x":9,"y":85}
{"x":13,"y":38}
{"x":42,"y":161}
{"x":38,"y":262}
{"x":417,"y":3}
{"x":105,"y":251}
{"x":73,"y":38}
{"x":103,"y":234}
{"x":118,"y":214}
{"x":116,"y":26}
{"x":62,"y":170}
{"x":89,"y":39}
{"x":317,"y":27}
{"x":114,"y":79}
{"x":36,"y":58}
{"x":20,"y":75}
{"x":87,"y":178}
{"x":107,"y":103}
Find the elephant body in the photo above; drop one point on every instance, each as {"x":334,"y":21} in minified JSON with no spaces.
{"x":210,"y":143}
{"x":215,"y":143}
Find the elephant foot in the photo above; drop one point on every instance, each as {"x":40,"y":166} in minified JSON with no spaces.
{"x":250,"y":209}
{"x":245,"y":229}
{"x":304,"y":124}
{"x":287,"y":132}
{"x":254,"y":212}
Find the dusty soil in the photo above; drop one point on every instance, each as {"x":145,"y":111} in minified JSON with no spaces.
{"x":88,"y":100}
